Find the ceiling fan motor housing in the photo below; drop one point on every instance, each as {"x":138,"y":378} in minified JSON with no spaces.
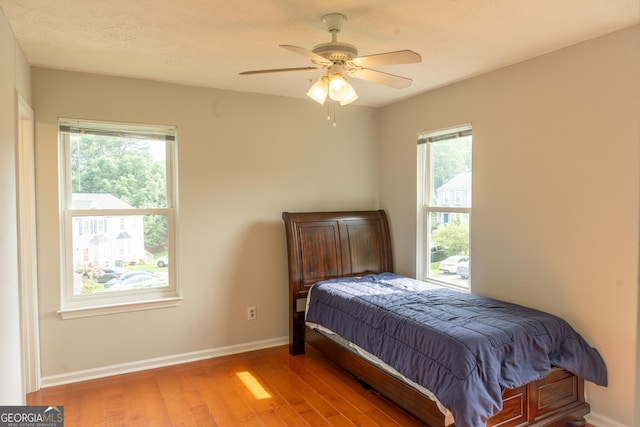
{"x":336,"y":52}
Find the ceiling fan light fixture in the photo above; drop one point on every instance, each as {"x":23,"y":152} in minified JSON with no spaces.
{"x":335,"y":86}
{"x":351,"y":96}
{"x":340,"y":89}
{"x":319,"y":90}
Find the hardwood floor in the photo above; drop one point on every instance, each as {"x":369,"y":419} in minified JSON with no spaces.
{"x":262,"y":388}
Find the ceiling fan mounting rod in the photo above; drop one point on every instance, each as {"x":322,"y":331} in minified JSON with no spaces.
{"x":335,"y":51}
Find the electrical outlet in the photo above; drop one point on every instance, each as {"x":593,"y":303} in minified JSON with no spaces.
{"x":251,"y":312}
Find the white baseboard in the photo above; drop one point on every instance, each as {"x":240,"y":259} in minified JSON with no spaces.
{"x":602,"y":421}
{"x":125,"y":368}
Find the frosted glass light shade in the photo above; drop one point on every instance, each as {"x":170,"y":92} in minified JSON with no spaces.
{"x":338,"y":87}
{"x":350,"y":97}
{"x":318,"y":92}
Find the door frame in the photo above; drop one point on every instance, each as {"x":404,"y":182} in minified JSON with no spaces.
{"x":27,"y":246}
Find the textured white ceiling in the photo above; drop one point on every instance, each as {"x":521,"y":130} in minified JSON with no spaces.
{"x":208,"y":42}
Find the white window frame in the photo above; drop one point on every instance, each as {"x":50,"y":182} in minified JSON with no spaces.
{"x":425,"y":208}
{"x":74,"y":306}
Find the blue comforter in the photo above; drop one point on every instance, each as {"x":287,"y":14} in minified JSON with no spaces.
{"x":465,"y":348}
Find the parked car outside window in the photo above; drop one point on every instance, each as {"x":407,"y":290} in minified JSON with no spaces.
{"x":463,"y":270}
{"x":437,"y":253}
{"x":124,"y":277}
{"x":109,"y":273}
{"x":143,"y":280}
{"x":450,"y":265}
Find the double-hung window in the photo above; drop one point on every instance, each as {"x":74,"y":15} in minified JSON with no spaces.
{"x":444,"y":169}
{"x":118,"y":214}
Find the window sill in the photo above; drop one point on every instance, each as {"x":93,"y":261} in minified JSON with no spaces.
{"x":75,"y":313}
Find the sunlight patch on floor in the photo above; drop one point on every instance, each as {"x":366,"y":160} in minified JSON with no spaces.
{"x":252,"y":384}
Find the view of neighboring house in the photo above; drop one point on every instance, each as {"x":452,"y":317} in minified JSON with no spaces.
{"x":106,"y":240}
{"x":455,"y":192}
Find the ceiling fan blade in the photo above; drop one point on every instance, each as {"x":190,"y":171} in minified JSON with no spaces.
{"x":278,"y":70}
{"x":386,"y":79}
{"x":321,"y":60}
{"x":389,"y":58}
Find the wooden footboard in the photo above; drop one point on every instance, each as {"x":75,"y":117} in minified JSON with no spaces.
{"x":556,"y":400}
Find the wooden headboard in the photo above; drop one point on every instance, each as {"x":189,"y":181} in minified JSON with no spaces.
{"x":326,"y":245}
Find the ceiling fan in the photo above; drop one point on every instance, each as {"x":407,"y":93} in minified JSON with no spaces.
{"x":342,"y":58}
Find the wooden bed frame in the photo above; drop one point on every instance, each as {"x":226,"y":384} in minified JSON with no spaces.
{"x":325,"y":245}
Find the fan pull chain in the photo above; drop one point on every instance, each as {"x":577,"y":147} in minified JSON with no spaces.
{"x":331,"y":116}
{"x":329,"y":104}
{"x":334,"y":115}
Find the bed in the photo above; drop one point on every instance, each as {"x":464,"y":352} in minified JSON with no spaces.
{"x":330,"y":245}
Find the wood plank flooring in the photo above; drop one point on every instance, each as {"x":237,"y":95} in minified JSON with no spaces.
{"x":262,"y":388}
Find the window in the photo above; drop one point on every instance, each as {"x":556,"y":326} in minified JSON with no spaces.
{"x":118,"y":199}
{"x":444,"y":168}
{"x":458,"y":198}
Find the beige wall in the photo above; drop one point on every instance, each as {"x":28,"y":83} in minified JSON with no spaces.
{"x":14,"y":78}
{"x":556,"y":177}
{"x":243,"y":159}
